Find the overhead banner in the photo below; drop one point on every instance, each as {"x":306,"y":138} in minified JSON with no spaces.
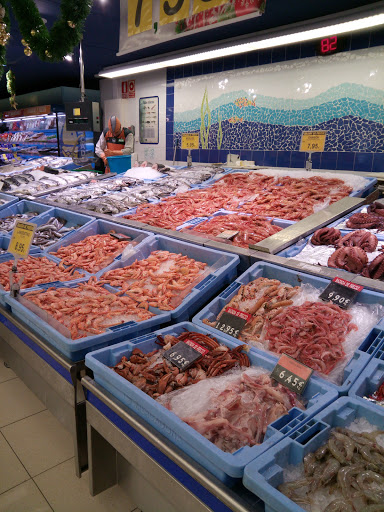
{"x":139,"y":16}
{"x":145,"y":23}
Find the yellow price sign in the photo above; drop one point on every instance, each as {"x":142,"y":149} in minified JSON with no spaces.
{"x":190,"y":141}
{"x":313,"y":141}
{"x":21,"y":239}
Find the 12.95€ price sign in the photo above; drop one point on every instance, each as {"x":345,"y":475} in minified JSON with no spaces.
{"x":22,"y":239}
{"x":313,"y":141}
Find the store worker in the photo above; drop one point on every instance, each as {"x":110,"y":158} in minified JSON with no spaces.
{"x":114,"y":141}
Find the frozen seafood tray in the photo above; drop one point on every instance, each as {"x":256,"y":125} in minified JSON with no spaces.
{"x":24,"y":206}
{"x":361,"y":356}
{"x":101,"y":227}
{"x":265,"y":474}
{"x":225,"y":466}
{"x":36,"y":253}
{"x":54,"y":333}
{"x":9,"y":200}
{"x":73,"y":220}
{"x":220,"y":270}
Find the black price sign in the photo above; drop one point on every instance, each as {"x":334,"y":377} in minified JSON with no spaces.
{"x":341,"y":292}
{"x":121,"y":238}
{"x":291,"y":374}
{"x":185,"y":353}
{"x":232,"y":321}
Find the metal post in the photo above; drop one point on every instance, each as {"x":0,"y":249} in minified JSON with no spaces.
{"x":81,"y":63}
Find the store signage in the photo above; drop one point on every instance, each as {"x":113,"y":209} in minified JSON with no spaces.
{"x":185,"y":353}
{"x":341,"y":292}
{"x":313,"y":141}
{"x":232,"y":321}
{"x":190,"y":141}
{"x":291,"y":374}
{"x":331,"y":45}
{"x":22,"y":239}
{"x":149,"y":120}
{"x":30,"y":111}
{"x":128,"y":89}
{"x":144,"y":23}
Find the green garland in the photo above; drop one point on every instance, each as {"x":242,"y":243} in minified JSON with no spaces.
{"x":66,"y":33}
{"x":11,"y":88}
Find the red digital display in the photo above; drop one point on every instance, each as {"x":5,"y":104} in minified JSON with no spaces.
{"x":328,"y":45}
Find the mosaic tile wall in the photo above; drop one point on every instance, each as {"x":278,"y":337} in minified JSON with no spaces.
{"x":257,"y":105}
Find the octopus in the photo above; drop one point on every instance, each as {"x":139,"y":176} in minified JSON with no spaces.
{"x":375,"y":270}
{"x":365,"y":220}
{"x":360,"y":238}
{"x":352,"y":259}
{"x":326,"y":236}
{"x":376,"y":208}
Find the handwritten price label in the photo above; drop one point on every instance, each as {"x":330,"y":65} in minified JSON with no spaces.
{"x":291,"y":374}
{"x":190,"y":141}
{"x":185,"y":353}
{"x":232,"y":322}
{"x":22,"y":239}
{"x":313,"y":141}
{"x":341,"y":292}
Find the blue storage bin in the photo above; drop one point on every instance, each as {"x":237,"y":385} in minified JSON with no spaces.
{"x":23,"y":207}
{"x":265,"y":474}
{"x":190,"y":224}
{"x":361,"y":356}
{"x":225,"y":466}
{"x":40,"y":254}
{"x":9,"y":200}
{"x":76,"y":349}
{"x":223,"y":271}
{"x":368,"y":189}
{"x":346,"y":217}
{"x":100,"y":227}
{"x":373,"y":374}
{"x":119,"y":164}
{"x":296,"y":249}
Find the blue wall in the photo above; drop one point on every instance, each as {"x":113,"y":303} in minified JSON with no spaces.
{"x":346,"y":160}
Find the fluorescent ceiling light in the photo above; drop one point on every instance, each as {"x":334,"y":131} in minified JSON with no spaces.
{"x":272,"y":42}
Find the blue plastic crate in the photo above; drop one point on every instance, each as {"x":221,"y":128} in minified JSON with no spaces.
{"x":76,"y":349}
{"x":226,"y":466}
{"x":368,"y":189}
{"x":346,"y":217}
{"x":119,"y":164}
{"x":23,"y":207}
{"x":190,"y":224}
{"x":101,"y":227}
{"x":9,"y":200}
{"x":265,"y":474}
{"x":361,"y":356}
{"x":222,"y":270}
{"x":74,"y":221}
{"x":40,"y":254}
{"x":296,"y":249}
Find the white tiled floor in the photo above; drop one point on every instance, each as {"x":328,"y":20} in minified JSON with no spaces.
{"x":37,"y":459}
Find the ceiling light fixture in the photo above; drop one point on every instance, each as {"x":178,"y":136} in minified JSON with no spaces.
{"x":262,"y":44}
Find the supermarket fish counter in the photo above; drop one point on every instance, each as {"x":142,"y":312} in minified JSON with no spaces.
{"x":178,"y":319}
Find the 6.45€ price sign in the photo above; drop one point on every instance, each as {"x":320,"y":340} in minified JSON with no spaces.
{"x":291,"y":373}
{"x":22,"y":239}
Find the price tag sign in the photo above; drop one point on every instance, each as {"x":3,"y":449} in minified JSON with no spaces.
{"x":227,"y":234}
{"x":232,"y":321}
{"x":291,"y":374}
{"x":190,"y":141}
{"x":185,"y":353}
{"x":341,"y":292}
{"x":313,"y":141}
{"x":22,"y":239}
